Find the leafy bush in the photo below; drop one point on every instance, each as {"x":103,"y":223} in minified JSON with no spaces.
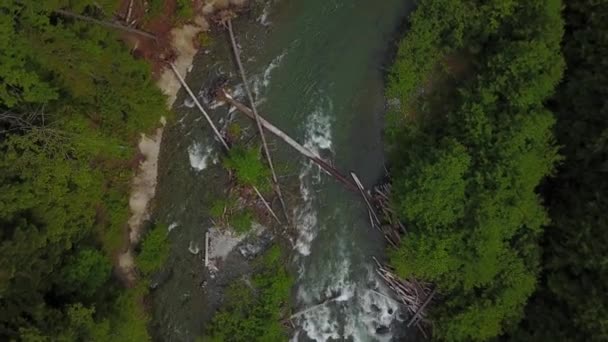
{"x":86,"y":272}
{"x":154,"y":250}
{"x":184,"y":10}
{"x":241,"y":221}
{"x":78,"y":102}
{"x":252,"y":312}
{"x":248,"y":167}
{"x":129,"y":318}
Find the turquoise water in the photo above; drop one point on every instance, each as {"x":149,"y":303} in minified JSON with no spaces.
{"x":328,"y":91}
{"x":317,"y":70}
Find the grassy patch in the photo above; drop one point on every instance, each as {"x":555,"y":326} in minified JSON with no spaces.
{"x":253,"y":311}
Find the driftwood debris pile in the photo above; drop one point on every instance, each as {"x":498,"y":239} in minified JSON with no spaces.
{"x":390,"y":225}
{"x":381,"y":215}
{"x":414,"y":295}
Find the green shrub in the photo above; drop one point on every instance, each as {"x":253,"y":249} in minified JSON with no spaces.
{"x":248,"y":167}
{"x":129,"y":318}
{"x":254,"y":313}
{"x":86,"y":272}
{"x":184,"y":10}
{"x":154,"y":250}
{"x":241,"y":221}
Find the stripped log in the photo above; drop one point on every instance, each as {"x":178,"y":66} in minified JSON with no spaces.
{"x":206,"y":249}
{"x":129,"y":10}
{"x":422,"y":307}
{"x":366,"y":198}
{"x":217,"y":133}
{"x":105,"y":23}
{"x":275,"y":180}
{"x":350,"y":185}
{"x":314,"y":307}
{"x":414,"y":295}
{"x":266,"y":204}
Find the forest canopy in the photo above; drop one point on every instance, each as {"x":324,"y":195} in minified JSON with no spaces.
{"x":72,"y":104}
{"x":571,"y":303}
{"x":470,"y":141}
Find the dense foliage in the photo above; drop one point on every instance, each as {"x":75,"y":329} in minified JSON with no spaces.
{"x":249,"y":169}
{"x":470,"y":142}
{"x":154,"y":250}
{"x":252,"y":311}
{"x":72,"y":101}
{"x":572,"y":302}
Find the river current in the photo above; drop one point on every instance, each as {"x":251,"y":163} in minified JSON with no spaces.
{"x":316,"y":67}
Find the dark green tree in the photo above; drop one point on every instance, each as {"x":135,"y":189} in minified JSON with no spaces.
{"x":470,"y":141}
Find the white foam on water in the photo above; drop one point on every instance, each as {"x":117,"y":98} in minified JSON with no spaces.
{"x":306,"y":222}
{"x":263,"y":18}
{"x":367,"y":309}
{"x":375,"y":310}
{"x":172,"y":226}
{"x":200,"y":155}
{"x":359,"y":310}
{"x":276,"y":62}
{"x":193,"y":248}
{"x":318,"y":130}
{"x":317,"y":137}
{"x":260,"y":82}
{"x":320,"y":323}
{"x":189,"y":102}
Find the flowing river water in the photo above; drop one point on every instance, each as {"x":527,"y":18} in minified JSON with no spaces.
{"x":316,"y":67}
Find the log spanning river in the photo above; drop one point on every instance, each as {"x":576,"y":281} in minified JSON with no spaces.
{"x":316,"y":69}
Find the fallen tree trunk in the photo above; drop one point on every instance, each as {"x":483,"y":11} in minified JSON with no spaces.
{"x":300,"y":313}
{"x":366,"y":198}
{"x":420,"y":310}
{"x":217,"y":133}
{"x":414,"y":295}
{"x":200,"y":107}
{"x":291,"y":142}
{"x":105,"y":23}
{"x":207,"y":249}
{"x":275,"y":180}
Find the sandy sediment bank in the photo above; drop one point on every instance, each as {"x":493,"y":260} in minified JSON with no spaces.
{"x":183,"y":47}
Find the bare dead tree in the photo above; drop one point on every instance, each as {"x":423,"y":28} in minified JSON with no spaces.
{"x":275,"y":180}
{"x":105,"y":23}
{"x":217,"y":133}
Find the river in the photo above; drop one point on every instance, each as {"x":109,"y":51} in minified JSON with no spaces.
{"x":317,"y":70}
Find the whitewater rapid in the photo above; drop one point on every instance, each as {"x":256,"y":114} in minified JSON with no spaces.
{"x":355,"y":310}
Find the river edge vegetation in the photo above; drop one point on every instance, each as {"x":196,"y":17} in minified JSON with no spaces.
{"x":474,"y":129}
{"x":254,"y":307}
{"x":73,"y":102}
